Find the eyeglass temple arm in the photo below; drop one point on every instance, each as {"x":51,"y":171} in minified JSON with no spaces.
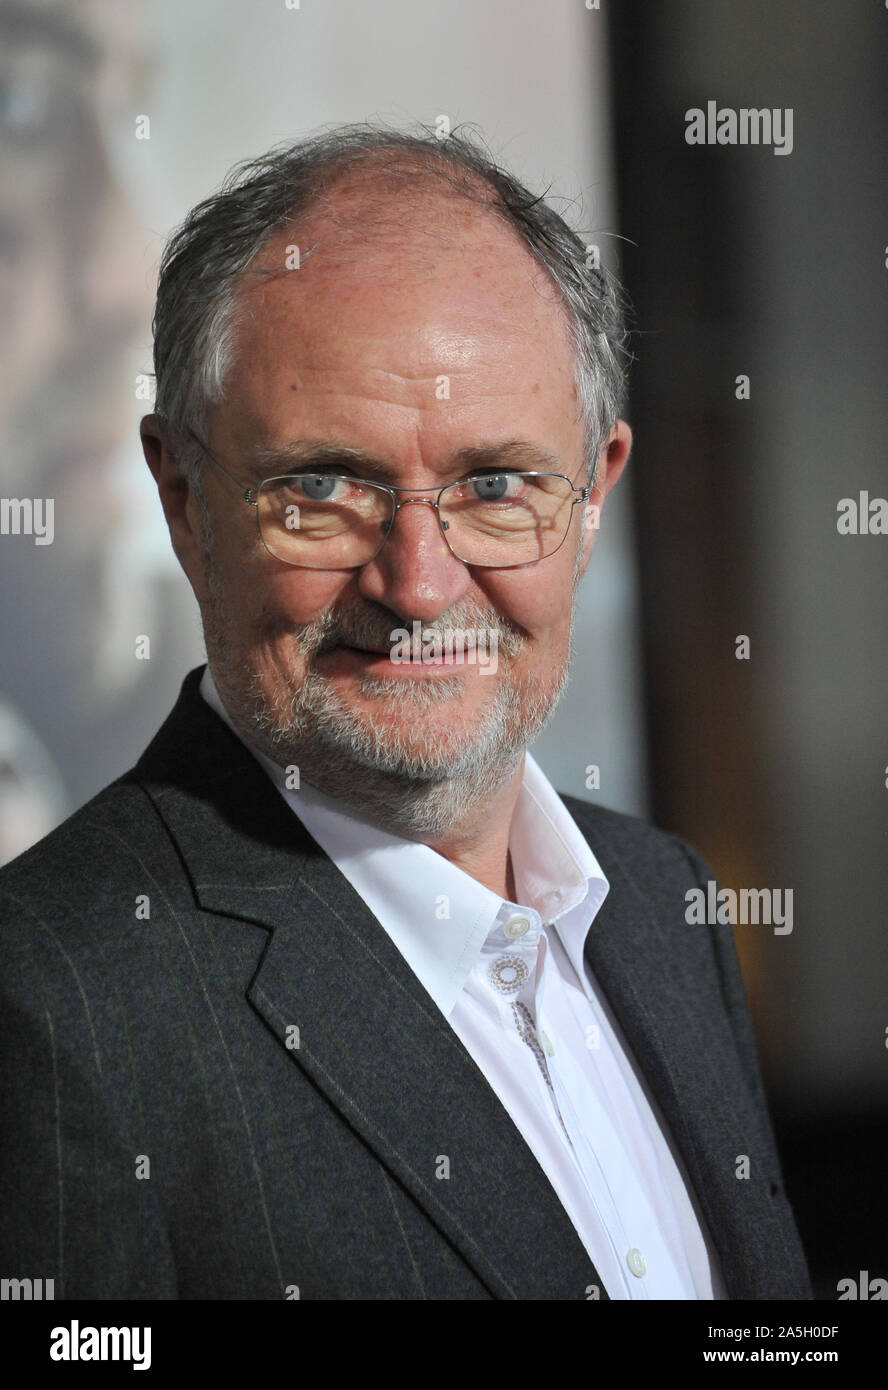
{"x":249,"y":493}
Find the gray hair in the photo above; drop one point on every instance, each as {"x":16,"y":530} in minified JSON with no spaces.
{"x":195,"y":315}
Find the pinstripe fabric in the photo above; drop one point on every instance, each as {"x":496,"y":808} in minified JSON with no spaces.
{"x":161,"y":1136}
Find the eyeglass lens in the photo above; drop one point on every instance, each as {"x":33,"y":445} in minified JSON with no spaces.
{"x":329,"y":521}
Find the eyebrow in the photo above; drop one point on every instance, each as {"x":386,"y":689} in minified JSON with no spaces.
{"x":321,"y":453}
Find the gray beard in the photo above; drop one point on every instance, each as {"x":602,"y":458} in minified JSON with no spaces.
{"x":418,"y":788}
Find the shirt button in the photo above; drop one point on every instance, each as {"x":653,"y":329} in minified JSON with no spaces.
{"x":635,"y":1261}
{"x":547,"y":1044}
{"x":515,"y":926}
{"x":508,"y":974}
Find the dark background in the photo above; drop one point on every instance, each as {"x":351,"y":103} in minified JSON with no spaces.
{"x":742,"y":261}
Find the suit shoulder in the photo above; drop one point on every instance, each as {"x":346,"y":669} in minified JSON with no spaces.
{"x":96,"y":850}
{"x":632,"y":840}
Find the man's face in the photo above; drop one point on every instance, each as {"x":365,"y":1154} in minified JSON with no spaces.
{"x":351,"y":348}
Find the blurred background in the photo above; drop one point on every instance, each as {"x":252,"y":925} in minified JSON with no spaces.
{"x":115,"y":118}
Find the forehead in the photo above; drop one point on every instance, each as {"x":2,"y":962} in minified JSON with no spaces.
{"x":386,"y":297}
{"x":416,"y":250}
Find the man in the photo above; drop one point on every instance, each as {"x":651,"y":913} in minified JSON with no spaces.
{"x":333,"y":996}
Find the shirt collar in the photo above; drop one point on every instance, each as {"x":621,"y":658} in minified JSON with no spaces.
{"x":438,"y":916}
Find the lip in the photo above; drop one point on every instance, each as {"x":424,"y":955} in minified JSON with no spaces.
{"x":349,"y":659}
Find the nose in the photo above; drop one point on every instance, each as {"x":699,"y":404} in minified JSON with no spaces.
{"x":414,"y":574}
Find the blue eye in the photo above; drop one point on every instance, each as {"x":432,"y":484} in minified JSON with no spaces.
{"x":493,"y":487}
{"x":317,"y":487}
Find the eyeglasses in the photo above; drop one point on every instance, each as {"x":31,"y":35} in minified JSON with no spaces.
{"x":323,"y":520}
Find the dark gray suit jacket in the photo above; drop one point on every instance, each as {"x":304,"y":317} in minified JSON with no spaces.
{"x":163,"y":1136}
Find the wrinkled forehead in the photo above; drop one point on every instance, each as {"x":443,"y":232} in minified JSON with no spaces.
{"x":407,"y":232}
{"x":351,"y":313}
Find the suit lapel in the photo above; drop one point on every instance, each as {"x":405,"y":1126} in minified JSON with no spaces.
{"x":651,"y":974}
{"x":370,"y":1037}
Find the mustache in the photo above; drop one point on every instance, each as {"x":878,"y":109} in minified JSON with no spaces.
{"x":371,"y":626}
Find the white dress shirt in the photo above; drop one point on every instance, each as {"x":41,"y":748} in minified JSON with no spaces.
{"x":512,"y":982}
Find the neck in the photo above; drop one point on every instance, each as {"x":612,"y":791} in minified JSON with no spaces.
{"x":479,"y":843}
{"x":466,"y":819}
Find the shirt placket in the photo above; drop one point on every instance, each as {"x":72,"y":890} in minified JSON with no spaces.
{"x":514,"y":966}
{"x":513,"y":958}
{"x":603,"y":1164}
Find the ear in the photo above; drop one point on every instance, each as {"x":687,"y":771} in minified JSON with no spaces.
{"x":179,"y":504}
{"x":612,"y":459}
